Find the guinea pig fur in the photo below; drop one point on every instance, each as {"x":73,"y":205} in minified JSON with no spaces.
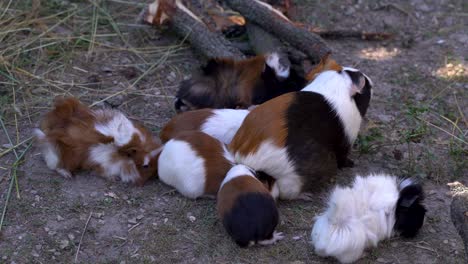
{"x":373,"y":209}
{"x":74,"y":137}
{"x":221,"y":124}
{"x":228,"y":83}
{"x":247,"y":209}
{"x":194,"y":163}
{"x":301,"y":138}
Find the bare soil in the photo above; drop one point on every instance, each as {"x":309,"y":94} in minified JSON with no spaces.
{"x":416,"y":126}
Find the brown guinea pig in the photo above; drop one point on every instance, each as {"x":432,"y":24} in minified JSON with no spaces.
{"x":74,"y":137}
{"x":301,"y":138}
{"x":221,"y":124}
{"x":247,"y":209}
{"x":194,"y":163}
{"x":227,"y":83}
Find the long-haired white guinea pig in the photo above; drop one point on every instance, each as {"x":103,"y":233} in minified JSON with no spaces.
{"x":372,"y":209}
{"x":247,"y":209}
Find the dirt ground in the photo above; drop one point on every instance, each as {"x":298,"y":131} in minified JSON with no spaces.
{"x":416,"y":126}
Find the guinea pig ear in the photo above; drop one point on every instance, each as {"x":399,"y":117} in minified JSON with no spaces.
{"x":410,"y":192}
{"x":358,"y":81}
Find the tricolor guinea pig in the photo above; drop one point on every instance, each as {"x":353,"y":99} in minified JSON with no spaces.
{"x":247,"y":209}
{"x":301,"y":138}
{"x":373,"y":209}
{"x":227,"y":83}
{"x":194,"y":163}
{"x":221,"y":124}
{"x":74,"y":137}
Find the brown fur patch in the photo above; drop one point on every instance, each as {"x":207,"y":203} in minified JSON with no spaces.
{"x":212,"y":151}
{"x":325,"y":64}
{"x":235,"y":187}
{"x":265,"y":122}
{"x":185,"y":121}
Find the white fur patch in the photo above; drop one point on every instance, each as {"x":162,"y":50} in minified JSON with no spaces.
{"x":274,"y":161}
{"x":277,"y":236}
{"x":48,"y":150}
{"x":356,"y":217}
{"x":335,"y":87}
{"x":281,"y":71}
{"x":118,"y":126}
{"x":236,"y":171}
{"x":179,"y":166}
{"x":224,"y":123}
{"x":101,"y":155}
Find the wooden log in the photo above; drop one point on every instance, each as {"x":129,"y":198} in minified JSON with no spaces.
{"x":187,"y":25}
{"x":274,"y":22}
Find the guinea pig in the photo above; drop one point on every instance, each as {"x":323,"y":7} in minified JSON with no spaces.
{"x":221,"y":124}
{"x":374,"y":208}
{"x":326,"y":64}
{"x":74,"y":137}
{"x":247,"y":209}
{"x":302,"y":138}
{"x":194,"y":163}
{"x":227,"y":83}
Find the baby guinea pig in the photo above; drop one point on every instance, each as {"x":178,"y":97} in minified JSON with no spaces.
{"x":74,"y":137}
{"x":194,"y":163}
{"x":221,"y":124}
{"x":247,"y":209}
{"x":302,"y":138}
{"x":229,"y":83}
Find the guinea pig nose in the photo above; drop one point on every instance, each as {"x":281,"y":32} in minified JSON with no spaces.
{"x":146,"y":166}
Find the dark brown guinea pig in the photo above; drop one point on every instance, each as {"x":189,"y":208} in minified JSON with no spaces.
{"x":227,"y":83}
{"x":302,"y":138}
{"x":247,"y":209}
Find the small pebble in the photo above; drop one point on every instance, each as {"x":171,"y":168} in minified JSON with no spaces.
{"x":59,"y":218}
{"x":192,"y":218}
{"x":64,"y":244}
{"x":296,"y":237}
{"x":445,"y":241}
{"x":165,"y":220}
{"x":38,"y":247}
{"x":381,"y":260}
{"x":132,"y":221}
{"x":139,"y":217}
{"x":34,"y":254}
{"x":52,"y":233}
{"x":432,"y":230}
{"x":46,"y":229}
{"x":71,"y":237}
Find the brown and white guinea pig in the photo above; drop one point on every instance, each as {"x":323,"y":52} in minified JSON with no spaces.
{"x":374,"y":208}
{"x":227,"y":83}
{"x":194,"y":163}
{"x":301,"y":138}
{"x":247,"y":209}
{"x":221,"y":124}
{"x":72,"y":137}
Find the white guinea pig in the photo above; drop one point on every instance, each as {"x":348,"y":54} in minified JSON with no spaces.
{"x":372,"y":209}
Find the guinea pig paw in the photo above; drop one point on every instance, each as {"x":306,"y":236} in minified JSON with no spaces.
{"x":65,"y":173}
{"x":277,"y":236}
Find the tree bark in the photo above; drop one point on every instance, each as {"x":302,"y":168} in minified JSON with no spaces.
{"x":308,"y":42}
{"x":459,"y":215}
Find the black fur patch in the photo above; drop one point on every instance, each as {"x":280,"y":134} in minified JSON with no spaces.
{"x":316,"y":141}
{"x":253,"y":217}
{"x":362,"y":98}
{"x":409,"y":212}
{"x":271,"y":86}
{"x":265,"y":179}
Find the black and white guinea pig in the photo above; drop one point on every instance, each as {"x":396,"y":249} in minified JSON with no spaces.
{"x":373,"y":209}
{"x":301,"y":138}
{"x":221,"y":124}
{"x":247,"y":209}
{"x":194,"y":163}
{"x":229,"y":83}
